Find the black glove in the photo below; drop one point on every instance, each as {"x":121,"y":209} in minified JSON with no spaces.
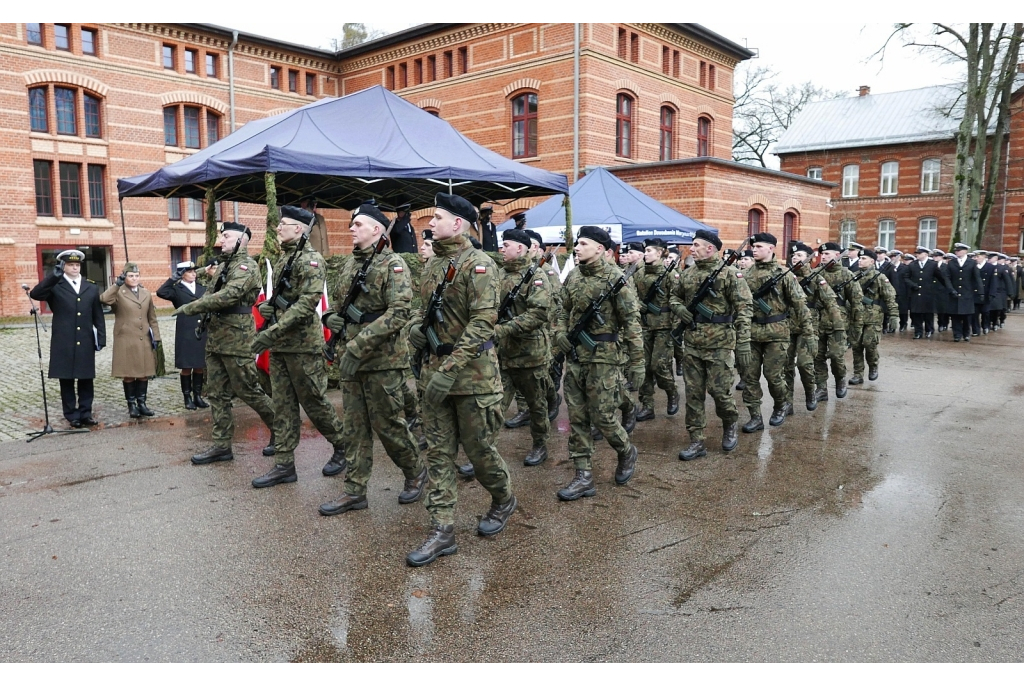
{"x":58,"y":269}
{"x":119,"y":281}
{"x":178,"y":273}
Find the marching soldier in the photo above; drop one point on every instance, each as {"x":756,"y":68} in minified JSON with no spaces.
{"x":593,"y":381}
{"x":1003,"y":289}
{"x":554,"y":286}
{"x":373,"y":359}
{"x":943,"y":301}
{"x":825,"y":317}
{"x":656,"y":321}
{"x":965,"y":279}
{"x":879,"y":300}
{"x":677,"y":348}
{"x":832,"y":341}
{"x":189,"y":351}
{"x":926,"y":283}
{"x":295,"y":338}
{"x":461,"y":383}
{"x":230,"y":365}
{"x":745,"y":261}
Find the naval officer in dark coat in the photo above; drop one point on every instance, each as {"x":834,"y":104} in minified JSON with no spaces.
{"x":189,"y":352}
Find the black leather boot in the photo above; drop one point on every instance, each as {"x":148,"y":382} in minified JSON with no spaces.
{"x":553,"y":407}
{"x":595,"y":434}
{"x":281,"y":473}
{"x":841,"y":388}
{"x":756,"y":423}
{"x":730,"y":436}
{"x":344,"y":503}
{"x":496,"y":518}
{"x":741,"y":386}
{"x":270,"y":450}
{"x":129,"y":396}
{"x":695,"y":450}
{"x":197,"y":391}
{"x":213,"y":454}
{"x":645,"y":414}
{"x":536,"y":456}
{"x":440,"y":543}
{"x":337,"y":463}
{"x":519,"y":420}
{"x":779,"y":415}
{"x":629,"y":419}
{"x":466,"y":471}
{"x":626,"y":466}
{"x":582,"y":485}
{"x":141,"y":388}
{"x":821,"y":395}
{"x":873,"y":372}
{"x":413,"y":488}
{"x":811,"y":395}
{"x":673,"y":404}
{"x":186,"y":390}
{"x":856,"y":379}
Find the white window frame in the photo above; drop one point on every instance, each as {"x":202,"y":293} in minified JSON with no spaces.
{"x":814,"y":172}
{"x":847,"y":232}
{"x":887,"y":233}
{"x":928,"y":236}
{"x":890,"y":178}
{"x":851,"y":180}
{"x":930,"y":177}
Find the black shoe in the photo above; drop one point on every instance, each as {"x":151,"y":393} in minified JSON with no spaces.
{"x":466,"y":471}
{"x":582,"y":485}
{"x":189,"y":404}
{"x":141,"y":389}
{"x":645,"y":414}
{"x":812,"y":400}
{"x":440,"y":543}
{"x":695,"y":450}
{"x":790,"y":411}
{"x":917,"y":336}
{"x":596,"y":434}
{"x":856,"y":380}
{"x":929,"y":334}
{"x":841,"y":388}
{"x":412,"y":424}
{"x":730,"y":436}
{"x":553,"y":411}
{"x":984,"y":331}
{"x":186,"y":390}
{"x":756,"y":423}
{"x":75,"y":423}
{"x":673,"y":405}
{"x":413,"y":488}
{"x":873,"y":373}
{"x":967,"y":338}
{"x":820,"y":395}
{"x":626,"y":466}
{"x":129,"y":396}
{"x":279,"y":474}
{"x":421,"y":442}
{"x":779,"y":415}
{"x":88,"y":421}
{"x":519,"y":420}
{"x":197,"y":390}
{"x":337,"y":463}
{"x":942,"y":328}
{"x":213,"y":454}
{"x":679,"y":368}
{"x":903,"y":327}
{"x":270,"y":450}
{"x":536,"y":456}
{"x":344,"y":503}
{"x":741,"y":386}
{"x":133,"y":409}
{"x":629,"y":420}
{"x":496,"y":518}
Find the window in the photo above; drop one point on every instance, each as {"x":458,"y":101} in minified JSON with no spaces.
{"x":293,"y":81}
{"x":890,"y":178}
{"x":789,"y":226}
{"x":190,"y":61}
{"x":417,"y":72}
{"x":212,"y":128}
{"x":92,"y":117}
{"x":168,"y":57}
{"x":37,"y":109}
{"x":755,"y":219}
{"x":403,"y":75}
{"x":88,"y":41}
{"x":431,"y":68}
{"x":310,"y":84}
{"x":887,"y":233}
{"x":463,"y":60}
{"x":97,"y":201}
{"x":192,"y":127}
{"x":65,"y":101}
{"x":524,"y":125}
{"x":668,"y":118}
{"x":173,"y":209}
{"x":624,"y":126}
{"x":930,"y":175}
{"x":34,"y":34}
{"x":851,"y":178}
{"x":928,"y":232}
{"x":703,"y":74}
{"x":675,"y":63}
{"x":703,"y":137}
{"x":171,"y":126}
{"x":389,"y":78}
{"x":195,"y":209}
{"x":70,"y":189}
{"x":634,"y":48}
{"x":62,"y":36}
{"x":814,"y":172}
{"x":622,"y":45}
{"x":211,"y":65}
{"x":432,"y":111}
{"x":847,"y":232}
{"x":44,"y":187}
{"x":711,"y":77}
{"x":666,"y":60}
{"x":275,"y":78}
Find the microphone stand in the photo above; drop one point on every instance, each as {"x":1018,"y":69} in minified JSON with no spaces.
{"x":47,"y":429}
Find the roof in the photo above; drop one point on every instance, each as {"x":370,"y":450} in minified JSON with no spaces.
{"x":726,"y":163}
{"x":715,"y":40}
{"x":256,"y":38}
{"x":906,"y":116}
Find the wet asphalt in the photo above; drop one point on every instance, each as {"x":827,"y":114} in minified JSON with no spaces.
{"x":887,"y":526}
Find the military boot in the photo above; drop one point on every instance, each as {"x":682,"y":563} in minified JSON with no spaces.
{"x":440,"y":543}
{"x":873,"y":372}
{"x":741,"y":386}
{"x":186,"y":390}
{"x":629,"y":419}
{"x":779,"y":415}
{"x":496,"y":518}
{"x":270,"y":450}
{"x":413,"y":488}
{"x":466,"y":471}
{"x":841,"y":388}
{"x":811,"y":394}
{"x":694,"y":451}
{"x":344,"y":503}
{"x":645,"y":414}
{"x":553,"y":407}
{"x":197,"y":390}
{"x":519,"y":420}
{"x":582,"y":485}
{"x":536,"y":456}
{"x":856,"y":379}
{"x":730,"y":436}
{"x":141,"y":388}
{"x":626,"y":466}
{"x":756,"y":423}
{"x":821,"y":395}
{"x":595,"y":434}
{"x":281,"y":473}
{"x":673,"y":404}
{"x":129,"y":396}
{"x":213,"y":454}
{"x":337,"y":463}
{"x":412,"y":423}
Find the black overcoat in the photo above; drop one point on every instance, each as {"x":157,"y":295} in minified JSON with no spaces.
{"x":925,"y":285}
{"x":967,"y":283}
{"x":189,"y":353}
{"x":403,"y":237}
{"x":72,"y":343}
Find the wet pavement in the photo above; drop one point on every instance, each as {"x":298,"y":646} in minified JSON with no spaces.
{"x":884,"y":526}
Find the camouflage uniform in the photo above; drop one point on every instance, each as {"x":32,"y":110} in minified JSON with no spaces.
{"x":298,"y":373}
{"x":879,"y":299}
{"x":821,"y":306}
{"x":709,"y":345}
{"x":593,"y":385}
{"x":373,"y":397}
{"x":656,"y":320}
{"x":554,"y":286}
{"x":832,"y":339}
{"x":770,"y":333}
{"x":471,"y":413}
{"x":230,"y":363}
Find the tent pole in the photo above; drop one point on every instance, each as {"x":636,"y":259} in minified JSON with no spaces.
{"x":576,"y":104}
{"x":569,"y":245}
{"x":124,"y":233}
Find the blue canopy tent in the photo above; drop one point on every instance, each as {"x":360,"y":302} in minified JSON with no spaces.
{"x":371,"y":144}
{"x":601,"y":199}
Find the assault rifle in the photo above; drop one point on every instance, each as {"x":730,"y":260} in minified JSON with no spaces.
{"x":433,"y":316}
{"x":806,"y":280}
{"x":655,"y":290}
{"x":578,"y":335}
{"x":505,"y":309}
{"x":838,"y":290}
{"x":284,"y":279}
{"x":349,"y":312}
{"x":705,"y":290}
{"x":769,"y":286}
{"x":204,"y":319}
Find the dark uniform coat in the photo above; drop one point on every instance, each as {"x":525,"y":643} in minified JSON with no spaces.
{"x":488,"y":236}
{"x":999,"y":287}
{"x":987,"y":273}
{"x":72,"y":343}
{"x":189,"y":353}
{"x":134,"y":319}
{"x":902,"y":291}
{"x":925,"y":284}
{"x":966,"y":281}
{"x":403,"y":238}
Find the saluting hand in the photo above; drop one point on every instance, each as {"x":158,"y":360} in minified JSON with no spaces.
{"x":58,"y":269}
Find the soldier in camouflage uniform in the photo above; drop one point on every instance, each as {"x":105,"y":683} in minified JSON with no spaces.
{"x":554,"y":286}
{"x":656,"y":321}
{"x":769,"y":331}
{"x":678,"y":350}
{"x":823,"y":311}
{"x":879,"y":301}
{"x":521,"y":338}
{"x":231,"y":367}
{"x":711,"y":339}
{"x":295,"y":337}
{"x":462,"y":390}
{"x":593,"y":381}
{"x":832,"y":341}
{"x":373,"y":360}
{"x":744,"y":264}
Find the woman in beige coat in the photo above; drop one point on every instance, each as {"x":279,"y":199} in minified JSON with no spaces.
{"x":136,"y":333}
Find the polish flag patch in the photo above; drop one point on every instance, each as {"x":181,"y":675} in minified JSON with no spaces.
{"x":397,"y":269}
{"x":314,"y":263}
{"x":480,"y":269}
{"x":538,"y":282}
{"x":243,"y":267}
{"x":739,"y":274}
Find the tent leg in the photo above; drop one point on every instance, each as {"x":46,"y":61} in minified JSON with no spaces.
{"x":124,"y":233}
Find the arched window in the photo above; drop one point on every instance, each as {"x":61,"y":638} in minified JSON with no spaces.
{"x":668,"y":123}
{"x":189,"y":125}
{"x":755,"y":221}
{"x":790,"y":224}
{"x":704,"y":137}
{"x":432,"y":110}
{"x":624,"y":125}
{"x":524,"y":125}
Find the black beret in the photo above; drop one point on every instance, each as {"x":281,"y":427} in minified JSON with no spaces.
{"x":868,"y":253}
{"x":232,"y":226}
{"x":371,"y":211}
{"x":475,"y":243}
{"x":598,"y":235}
{"x":459,"y":206}
{"x":747,"y":253}
{"x":830,"y":246}
{"x":535,"y":236}
{"x":674,"y":249}
{"x":709,"y":237}
{"x":518,"y":217}
{"x":303,"y":216}
{"x":632,"y":247}
{"x":801,"y":247}
{"x":764,"y":238}
{"x":428,"y":234}
{"x":517,"y":236}
{"x":656,"y":242}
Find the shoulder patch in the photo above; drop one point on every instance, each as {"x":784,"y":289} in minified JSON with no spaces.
{"x":675,"y":276}
{"x":243,"y":267}
{"x":823,"y":283}
{"x":480,"y":269}
{"x":551,"y":272}
{"x":398,"y":268}
{"x":312,"y":263}
{"x":739,"y":274}
{"x":538,"y":282}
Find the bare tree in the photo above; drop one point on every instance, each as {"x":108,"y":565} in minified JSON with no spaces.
{"x":354,"y":34}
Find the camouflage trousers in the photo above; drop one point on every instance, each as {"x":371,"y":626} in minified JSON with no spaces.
{"x":555,"y":376}
{"x":679,"y":352}
{"x":228,"y":377}
{"x":830,"y":349}
{"x":592,"y":394}
{"x":473,"y":421}
{"x":658,"y":351}
{"x":300,"y":380}
{"x":410,"y":398}
{"x":769,"y":358}
{"x":534,"y":384}
{"x":708,"y":372}
{"x":373,"y":404}
{"x":867,"y":348}
{"x":801,"y":356}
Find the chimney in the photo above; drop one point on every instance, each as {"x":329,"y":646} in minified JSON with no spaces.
{"x":864,"y":90}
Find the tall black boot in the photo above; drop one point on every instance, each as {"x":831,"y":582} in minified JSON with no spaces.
{"x":129,"y":396}
{"x":141,"y":387}
{"x":197,"y":391}
{"x":186,"y":390}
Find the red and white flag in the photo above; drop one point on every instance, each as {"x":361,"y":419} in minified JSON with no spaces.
{"x":263,"y":358}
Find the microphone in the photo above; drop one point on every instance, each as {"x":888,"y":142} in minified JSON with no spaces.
{"x":24,"y":286}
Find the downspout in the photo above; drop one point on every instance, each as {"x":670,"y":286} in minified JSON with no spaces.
{"x":576,"y":103}
{"x":1006,"y":186}
{"x":231,"y":99}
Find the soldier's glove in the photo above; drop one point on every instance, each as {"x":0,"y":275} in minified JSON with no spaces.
{"x":266,"y":309}
{"x":854,"y":336}
{"x":119,"y":281}
{"x":261,"y":343}
{"x":58,"y":269}
{"x":635,"y":376}
{"x":684,"y":315}
{"x":563,"y":344}
{"x":438,"y":388}
{"x":348,"y":365}
{"x":501,"y":332}
{"x":743,"y":357}
{"x":839,"y":338}
{"x":417,"y":338}
{"x":183,"y":310}
{"x":890,"y":327}
{"x":335,"y":322}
